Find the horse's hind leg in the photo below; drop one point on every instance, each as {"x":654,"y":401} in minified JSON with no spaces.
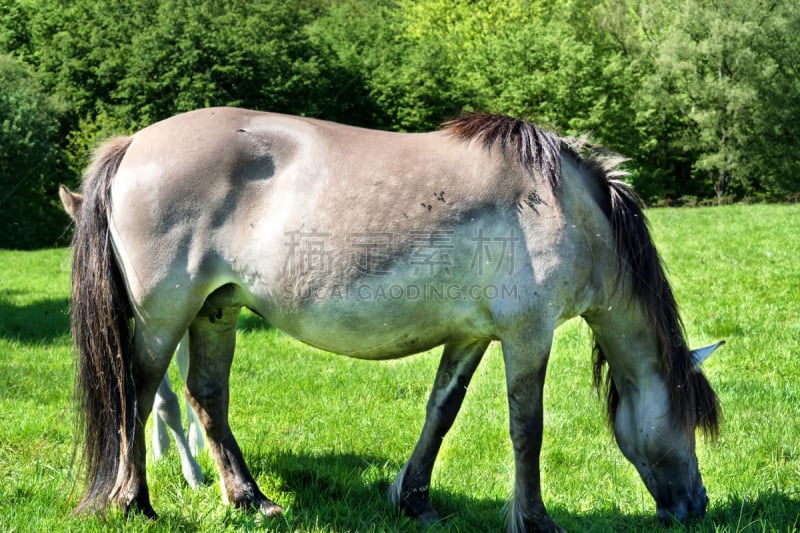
{"x":211,"y":344}
{"x":525,"y":358}
{"x":152,"y":353}
{"x":409,"y":492}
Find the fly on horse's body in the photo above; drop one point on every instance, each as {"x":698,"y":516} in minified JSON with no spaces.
{"x":374,"y":245}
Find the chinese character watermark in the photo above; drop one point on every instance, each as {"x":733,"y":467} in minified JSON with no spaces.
{"x":486,"y":251}
{"x":307,"y":253}
{"x":431,"y":249}
{"x":370,"y":252}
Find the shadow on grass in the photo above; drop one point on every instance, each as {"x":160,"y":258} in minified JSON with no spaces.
{"x":780,"y":511}
{"x":770,"y":511}
{"x":45,"y":320}
{"x":347,"y":492}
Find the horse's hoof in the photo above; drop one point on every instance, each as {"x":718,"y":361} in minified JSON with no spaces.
{"x":135,"y":502}
{"x":419,"y":507}
{"x":270,"y":510}
{"x":145,"y":510}
{"x":428,"y":518}
{"x":540,"y":523}
{"x":254,"y":501}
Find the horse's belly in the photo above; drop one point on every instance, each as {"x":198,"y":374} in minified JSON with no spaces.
{"x":383,"y":325}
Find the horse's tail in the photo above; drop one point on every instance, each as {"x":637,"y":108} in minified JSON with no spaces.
{"x":101,"y":332}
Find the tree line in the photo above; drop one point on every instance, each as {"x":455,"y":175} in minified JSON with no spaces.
{"x":702,"y":96}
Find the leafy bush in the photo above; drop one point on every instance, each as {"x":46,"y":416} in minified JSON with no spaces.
{"x":704,"y":100}
{"x":29,"y":127}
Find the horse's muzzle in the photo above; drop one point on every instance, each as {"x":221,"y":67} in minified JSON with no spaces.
{"x":695,"y":506}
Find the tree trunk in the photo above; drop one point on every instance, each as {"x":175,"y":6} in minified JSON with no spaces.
{"x":721,"y":186}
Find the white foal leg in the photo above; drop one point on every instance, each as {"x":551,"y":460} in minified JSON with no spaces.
{"x":168,"y":409}
{"x":193,"y":428}
{"x":160,"y":435}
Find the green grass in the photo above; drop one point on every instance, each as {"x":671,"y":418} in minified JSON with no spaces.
{"x":325,"y":435}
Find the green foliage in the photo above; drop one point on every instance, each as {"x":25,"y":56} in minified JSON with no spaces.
{"x":191,"y":54}
{"x":142,"y":61}
{"x":705,"y":73}
{"x":703,"y":98}
{"x":682,"y":88}
{"x":28,"y":157}
{"x":399,"y":84}
{"x":514,"y":57}
{"x":424,"y":61}
{"x":82,"y":142}
{"x":324,"y":435}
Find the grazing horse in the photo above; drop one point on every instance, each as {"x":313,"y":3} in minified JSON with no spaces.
{"x":165,"y":406}
{"x":374,"y":245}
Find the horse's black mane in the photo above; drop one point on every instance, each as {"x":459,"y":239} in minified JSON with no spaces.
{"x":693,"y":402}
{"x":535,"y":148}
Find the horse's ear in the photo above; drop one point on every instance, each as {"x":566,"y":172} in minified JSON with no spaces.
{"x":72,"y":201}
{"x":701,"y":354}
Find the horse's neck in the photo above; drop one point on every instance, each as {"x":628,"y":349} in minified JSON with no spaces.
{"x":624,"y":332}
{"x":581,"y":200}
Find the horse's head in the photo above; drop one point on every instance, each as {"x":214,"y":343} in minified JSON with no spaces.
{"x":678,"y":488}
{"x":653,"y":418}
{"x":71,"y":201}
{"x":659,"y":441}
{"x":677,"y":485}
{"x":657,"y":394}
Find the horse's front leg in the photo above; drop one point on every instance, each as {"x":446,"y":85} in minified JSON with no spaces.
{"x":526,"y":365}
{"x":410,"y":491}
{"x":211,"y":346}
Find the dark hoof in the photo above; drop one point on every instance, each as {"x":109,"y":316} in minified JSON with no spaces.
{"x":418,"y":506}
{"x":413,"y":502}
{"x":269,"y":508}
{"x":137,"y":508}
{"x":547,"y":526}
{"x":258,"y":504}
{"x":428,"y":519}
{"x":542,"y":523}
{"x":136,"y":502}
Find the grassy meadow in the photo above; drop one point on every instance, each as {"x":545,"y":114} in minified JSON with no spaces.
{"x":325,"y":435}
